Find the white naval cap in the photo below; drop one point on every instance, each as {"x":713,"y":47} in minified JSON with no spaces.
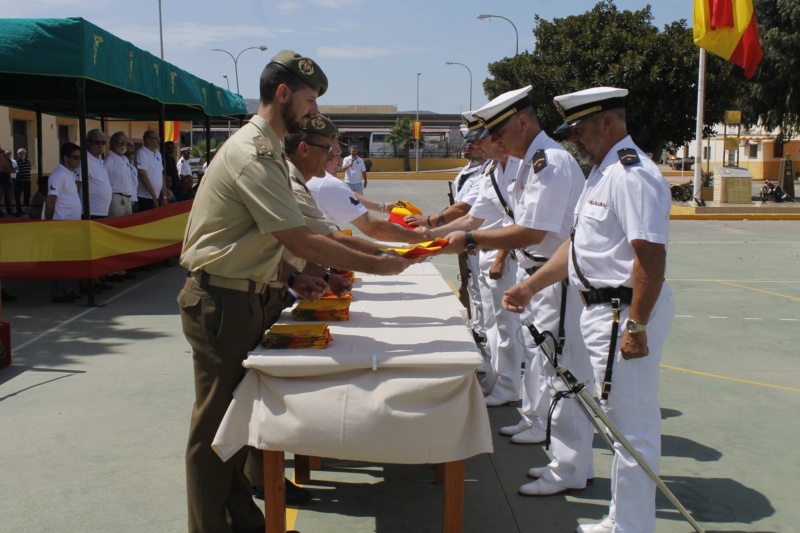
{"x":496,"y":113}
{"x":470,"y":128}
{"x":575,"y":107}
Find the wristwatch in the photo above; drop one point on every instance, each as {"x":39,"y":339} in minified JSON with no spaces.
{"x":469,"y":242}
{"x":633,"y":327}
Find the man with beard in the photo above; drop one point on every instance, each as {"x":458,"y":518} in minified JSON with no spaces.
{"x":243,"y":216}
{"x":616,"y":258}
{"x":544,"y":196}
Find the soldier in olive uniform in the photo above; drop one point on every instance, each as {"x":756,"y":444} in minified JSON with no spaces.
{"x":243,"y":216}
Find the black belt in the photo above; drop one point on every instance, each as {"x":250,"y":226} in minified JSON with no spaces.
{"x":605,"y":295}
{"x":533,"y":269}
{"x":125,"y":195}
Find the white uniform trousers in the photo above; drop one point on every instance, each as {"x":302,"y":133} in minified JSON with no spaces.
{"x":571,"y":431}
{"x":633,"y":407}
{"x":120,"y":205}
{"x":473,"y":288}
{"x":504,"y":378}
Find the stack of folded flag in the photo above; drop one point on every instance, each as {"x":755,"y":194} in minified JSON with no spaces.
{"x":322,"y":311}
{"x":297,"y":336}
{"x":330,"y":295}
{"x":349,"y":275}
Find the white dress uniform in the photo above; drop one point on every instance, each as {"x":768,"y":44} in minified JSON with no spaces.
{"x":622,"y":203}
{"x":503,"y":379}
{"x":545,"y":195}
{"x":467,"y":184}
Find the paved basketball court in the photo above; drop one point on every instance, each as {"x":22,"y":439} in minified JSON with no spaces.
{"x":95,"y":409}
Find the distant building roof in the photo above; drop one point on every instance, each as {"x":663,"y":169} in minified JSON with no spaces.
{"x":358,"y":109}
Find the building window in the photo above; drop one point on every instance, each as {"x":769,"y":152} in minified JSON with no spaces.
{"x":752,"y":150}
{"x":63,"y":135}
{"x":777,"y":150}
{"x":706,"y":153}
{"x":20,"y":133}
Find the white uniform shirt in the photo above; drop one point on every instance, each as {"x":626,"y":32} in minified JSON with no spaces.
{"x":121,"y":174}
{"x":14,"y":168}
{"x":151,"y":163}
{"x":354,"y":174}
{"x":488,"y":206}
{"x":184,"y":168}
{"x":470,"y":187}
{"x":545,"y":200}
{"x":335,"y":199}
{"x":61,"y":184}
{"x":99,"y":187}
{"x":619,"y":204}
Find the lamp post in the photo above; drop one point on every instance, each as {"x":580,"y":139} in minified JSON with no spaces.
{"x":236,"y":60}
{"x":470,"y":78}
{"x":160,"y":30}
{"x":227,"y":81}
{"x":416,"y":141}
{"x":484,"y":16}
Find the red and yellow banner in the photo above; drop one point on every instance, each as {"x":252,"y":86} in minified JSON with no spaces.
{"x":172,"y":131}
{"x":70,"y":249}
{"x":728,"y":29}
{"x":417,"y":130}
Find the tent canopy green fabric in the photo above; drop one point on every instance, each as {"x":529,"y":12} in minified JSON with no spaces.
{"x":44,"y":62}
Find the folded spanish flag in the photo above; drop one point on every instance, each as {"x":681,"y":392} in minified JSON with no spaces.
{"x":322,"y":310}
{"x":349,"y":275}
{"x":401,"y":210}
{"x":330,"y":295}
{"x":297,"y":336}
{"x":419,"y":250}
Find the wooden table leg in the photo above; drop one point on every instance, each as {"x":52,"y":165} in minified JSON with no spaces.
{"x":453,"y":513}
{"x":302,"y":469}
{"x":315,"y":462}
{"x":439,"y":479}
{"x":274,"y":492}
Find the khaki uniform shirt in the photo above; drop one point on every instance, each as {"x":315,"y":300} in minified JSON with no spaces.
{"x":242,"y":199}
{"x":314,"y":217}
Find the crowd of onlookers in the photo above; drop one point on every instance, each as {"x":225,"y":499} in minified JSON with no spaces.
{"x":122,"y":180}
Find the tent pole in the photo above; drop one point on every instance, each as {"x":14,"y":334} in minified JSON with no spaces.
{"x":84,"y":173}
{"x":208,"y":140}
{"x":39,"y":137}
{"x":701,"y":97}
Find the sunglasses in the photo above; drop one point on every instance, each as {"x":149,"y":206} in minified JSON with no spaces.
{"x":328,"y":149}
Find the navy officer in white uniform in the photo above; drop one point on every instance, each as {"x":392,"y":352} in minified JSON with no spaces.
{"x":617,"y":259}
{"x":546,"y":191}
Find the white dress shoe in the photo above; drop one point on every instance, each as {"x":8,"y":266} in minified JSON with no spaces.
{"x":540,"y":487}
{"x":532,"y":435}
{"x":538,"y":471}
{"x":494,"y":401}
{"x":519,"y":427}
{"x":606,"y":526}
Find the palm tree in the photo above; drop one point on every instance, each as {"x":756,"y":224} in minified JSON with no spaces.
{"x":401,"y":137}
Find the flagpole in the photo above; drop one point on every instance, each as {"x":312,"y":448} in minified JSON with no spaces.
{"x":701,"y":96}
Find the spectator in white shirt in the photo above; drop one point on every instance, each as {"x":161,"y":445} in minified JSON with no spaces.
{"x":152,"y":191}
{"x":122,"y":175}
{"x":355,"y":170}
{"x":99,"y":184}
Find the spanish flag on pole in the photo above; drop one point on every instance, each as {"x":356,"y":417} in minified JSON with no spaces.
{"x":728,"y":29}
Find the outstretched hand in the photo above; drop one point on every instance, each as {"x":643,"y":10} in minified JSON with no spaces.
{"x":517,"y":298}
{"x":309,"y":287}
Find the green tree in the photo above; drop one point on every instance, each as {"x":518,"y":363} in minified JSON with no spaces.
{"x":401,"y":138}
{"x":609,"y":47}
{"x":199,"y":148}
{"x":773,"y":99}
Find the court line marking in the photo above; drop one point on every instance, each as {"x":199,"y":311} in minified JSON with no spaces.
{"x":794,"y":298}
{"x":728,"y":378}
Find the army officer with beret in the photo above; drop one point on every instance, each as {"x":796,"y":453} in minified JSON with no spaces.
{"x":243,"y":216}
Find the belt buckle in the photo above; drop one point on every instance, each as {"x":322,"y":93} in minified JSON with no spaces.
{"x":583,"y":298}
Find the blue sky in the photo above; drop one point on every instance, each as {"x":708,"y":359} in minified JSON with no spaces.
{"x":371,"y":50}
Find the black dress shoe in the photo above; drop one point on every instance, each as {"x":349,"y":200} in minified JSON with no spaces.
{"x":116,"y":278}
{"x":62,"y":299}
{"x":294,"y":495}
{"x":8,"y":297}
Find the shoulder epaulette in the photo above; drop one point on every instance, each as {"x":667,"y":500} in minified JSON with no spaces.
{"x":539,"y":161}
{"x":628,"y":156}
{"x":265,"y":149}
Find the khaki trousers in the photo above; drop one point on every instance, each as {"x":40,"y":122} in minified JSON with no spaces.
{"x":222,"y":326}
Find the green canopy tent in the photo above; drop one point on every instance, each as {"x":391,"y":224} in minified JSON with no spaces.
{"x":70,"y":67}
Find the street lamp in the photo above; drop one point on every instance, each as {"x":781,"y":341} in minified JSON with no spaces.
{"x":483,"y":16}
{"x":416,"y":141}
{"x":227,"y":81}
{"x":160,"y":30}
{"x":236,"y":60}
{"x":470,"y":78}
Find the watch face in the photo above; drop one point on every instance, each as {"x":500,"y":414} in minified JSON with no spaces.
{"x":471,"y":247}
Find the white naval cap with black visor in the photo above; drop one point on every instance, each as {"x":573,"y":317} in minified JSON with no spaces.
{"x":470,"y":128}
{"x":575,"y":107}
{"x":496,"y":113}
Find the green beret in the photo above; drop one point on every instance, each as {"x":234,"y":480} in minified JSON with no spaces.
{"x":304,"y":68}
{"x":322,"y":126}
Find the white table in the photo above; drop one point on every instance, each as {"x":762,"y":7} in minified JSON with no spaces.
{"x":396,"y":385}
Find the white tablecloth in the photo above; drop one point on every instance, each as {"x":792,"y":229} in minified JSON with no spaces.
{"x":396,"y":385}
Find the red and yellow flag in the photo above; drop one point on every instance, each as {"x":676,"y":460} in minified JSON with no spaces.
{"x":172,"y":131}
{"x":417,"y":130}
{"x":728,"y":29}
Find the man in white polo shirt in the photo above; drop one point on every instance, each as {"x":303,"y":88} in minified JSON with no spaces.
{"x":355,"y":170}
{"x":121,"y":175}
{"x":152,"y":191}
{"x":99,"y":185}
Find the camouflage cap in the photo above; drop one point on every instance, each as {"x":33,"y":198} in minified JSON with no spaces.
{"x":304,"y":68}
{"x":322,"y":126}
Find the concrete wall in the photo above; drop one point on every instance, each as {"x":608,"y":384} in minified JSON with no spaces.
{"x":391,"y":164}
